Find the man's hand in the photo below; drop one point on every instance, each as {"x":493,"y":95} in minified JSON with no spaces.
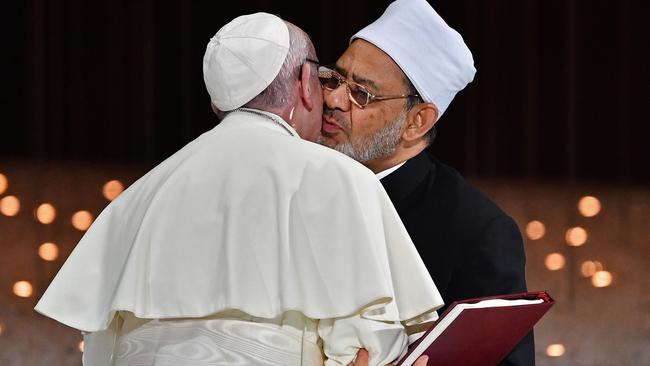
{"x":362,"y":359}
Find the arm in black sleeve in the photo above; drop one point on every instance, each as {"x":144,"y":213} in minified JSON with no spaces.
{"x":502,"y":257}
{"x":504,"y":235}
{"x":496,"y":265}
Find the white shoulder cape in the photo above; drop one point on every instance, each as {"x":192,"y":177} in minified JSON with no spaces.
{"x":245,"y":217}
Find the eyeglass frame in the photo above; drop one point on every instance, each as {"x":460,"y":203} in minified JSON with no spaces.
{"x":371,"y":98}
{"x":309,"y":60}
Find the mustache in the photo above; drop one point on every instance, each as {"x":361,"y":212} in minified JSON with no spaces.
{"x":338,"y":117}
{"x":328,"y":111}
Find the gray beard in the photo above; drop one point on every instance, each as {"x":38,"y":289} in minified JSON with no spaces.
{"x":378,"y":145}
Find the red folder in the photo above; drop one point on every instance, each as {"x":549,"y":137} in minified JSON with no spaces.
{"x":479,"y":336}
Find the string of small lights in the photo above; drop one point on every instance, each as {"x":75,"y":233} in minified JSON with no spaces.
{"x":45,"y":213}
{"x":576,"y":236}
{"x":536,"y":232}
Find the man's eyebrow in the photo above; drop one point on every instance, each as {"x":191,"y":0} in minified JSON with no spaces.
{"x":340,"y":70}
{"x":357,"y":78}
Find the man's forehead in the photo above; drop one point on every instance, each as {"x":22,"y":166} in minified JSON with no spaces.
{"x":368,"y":65}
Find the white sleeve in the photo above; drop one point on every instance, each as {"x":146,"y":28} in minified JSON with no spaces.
{"x":343,"y":337}
{"x":99,"y":346}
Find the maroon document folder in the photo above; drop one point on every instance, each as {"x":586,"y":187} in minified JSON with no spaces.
{"x":479,"y":336}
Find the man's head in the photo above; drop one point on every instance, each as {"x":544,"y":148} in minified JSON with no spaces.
{"x":408,"y":51}
{"x":373,"y":132}
{"x":260,"y":61}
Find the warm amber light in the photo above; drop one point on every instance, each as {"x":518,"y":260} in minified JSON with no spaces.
{"x":45,"y":213}
{"x":23,"y":289}
{"x":555,"y":350}
{"x":1,"y":328}
{"x":81,"y":346}
{"x":10,"y":206}
{"x":48,"y":251}
{"x":599,"y":266}
{"x":4,"y":183}
{"x":576,"y":236}
{"x":589,"y":206}
{"x":588,"y":268}
{"x":535,"y":230}
{"x":554,"y":261}
{"x":82,"y":220}
{"x":601,"y":279}
{"x":112,"y":189}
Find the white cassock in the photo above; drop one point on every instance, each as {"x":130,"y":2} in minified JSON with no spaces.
{"x":249,"y":246}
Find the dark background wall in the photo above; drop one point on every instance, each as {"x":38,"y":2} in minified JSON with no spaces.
{"x":561,"y":92}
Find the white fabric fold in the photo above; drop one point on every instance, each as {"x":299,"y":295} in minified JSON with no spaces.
{"x":245,"y":217}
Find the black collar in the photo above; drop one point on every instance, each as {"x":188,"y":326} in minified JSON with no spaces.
{"x":406,"y":178}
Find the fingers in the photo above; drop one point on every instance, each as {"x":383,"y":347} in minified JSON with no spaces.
{"x":421,"y":361}
{"x":362,"y":358}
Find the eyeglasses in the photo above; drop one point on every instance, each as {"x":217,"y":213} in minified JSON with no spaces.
{"x":357,"y":93}
{"x":312,"y":61}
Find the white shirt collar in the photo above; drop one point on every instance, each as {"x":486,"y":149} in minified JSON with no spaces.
{"x":273,"y":117}
{"x":386,"y":172}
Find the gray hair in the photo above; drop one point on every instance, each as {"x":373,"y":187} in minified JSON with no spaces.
{"x":278,"y":93}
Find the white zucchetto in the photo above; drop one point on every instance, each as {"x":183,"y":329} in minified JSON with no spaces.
{"x":431,"y":54}
{"x":243,"y":58}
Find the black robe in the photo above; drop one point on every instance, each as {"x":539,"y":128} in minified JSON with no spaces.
{"x":469,"y":245}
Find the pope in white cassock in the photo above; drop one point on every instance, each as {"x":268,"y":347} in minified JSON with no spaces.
{"x":250,"y":245}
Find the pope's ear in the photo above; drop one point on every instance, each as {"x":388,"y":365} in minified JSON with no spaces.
{"x":305,"y":87}
{"x":420,"y":119}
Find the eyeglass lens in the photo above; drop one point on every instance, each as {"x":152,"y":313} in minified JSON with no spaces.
{"x":330,"y":80}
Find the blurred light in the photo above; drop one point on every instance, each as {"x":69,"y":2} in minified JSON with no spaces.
{"x":588,"y":268}
{"x":601,"y":279}
{"x":4,"y":183}
{"x":112,"y":189}
{"x":554,"y":261}
{"x":589,"y":206}
{"x":535,"y":230}
{"x":23,"y":289}
{"x":1,"y":328}
{"x":45,"y":213}
{"x":555,"y":350}
{"x":599,"y":266}
{"x":576,"y":236}
{"x":10,"y":206}
{"x":48,"y":251}
{"x":81,"y":346}
{"x":82,"y":220}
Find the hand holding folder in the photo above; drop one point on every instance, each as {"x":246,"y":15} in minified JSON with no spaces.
{"x":479,"y":332}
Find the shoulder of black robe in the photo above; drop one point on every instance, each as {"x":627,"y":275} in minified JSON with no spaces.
{"x":469,"y":245}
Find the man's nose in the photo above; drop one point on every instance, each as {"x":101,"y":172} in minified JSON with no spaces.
{"x":337,"y":98}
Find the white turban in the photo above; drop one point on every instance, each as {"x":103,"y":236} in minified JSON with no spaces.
{"x":243,"y":58}
{"x":432,"y":54}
